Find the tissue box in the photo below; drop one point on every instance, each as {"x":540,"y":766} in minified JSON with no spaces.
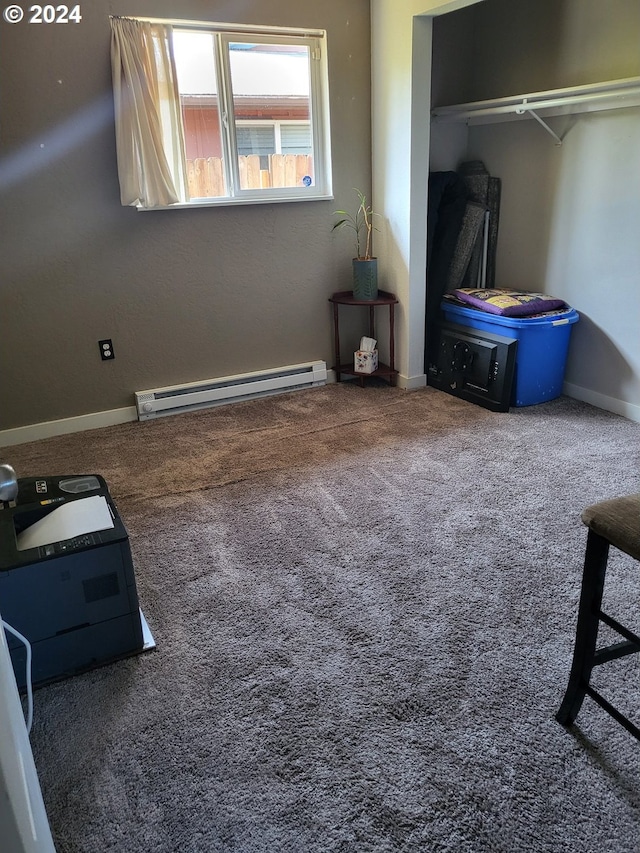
{"x":365,"y":361}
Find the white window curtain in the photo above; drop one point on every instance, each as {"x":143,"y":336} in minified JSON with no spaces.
{"x":149,"y":132}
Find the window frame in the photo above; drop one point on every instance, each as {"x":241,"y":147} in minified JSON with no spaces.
{"x":316,"y":42}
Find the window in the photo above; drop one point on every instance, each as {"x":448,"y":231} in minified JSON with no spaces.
{"x":252,"y":108}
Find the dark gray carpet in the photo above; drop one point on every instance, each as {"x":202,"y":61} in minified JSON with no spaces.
{"x":364,"y":602}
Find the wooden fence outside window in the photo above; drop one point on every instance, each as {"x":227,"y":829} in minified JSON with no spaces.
{"x":205,"y":175}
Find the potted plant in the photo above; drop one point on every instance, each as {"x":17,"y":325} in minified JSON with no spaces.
{"x":365,"y":266}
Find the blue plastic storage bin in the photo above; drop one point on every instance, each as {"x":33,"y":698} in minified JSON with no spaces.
{"x":541,"y":354}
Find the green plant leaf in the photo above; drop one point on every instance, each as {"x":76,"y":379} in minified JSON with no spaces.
{"x":361,"y":223}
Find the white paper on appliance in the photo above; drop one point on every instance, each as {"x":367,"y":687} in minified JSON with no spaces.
{"x":74,"y":518}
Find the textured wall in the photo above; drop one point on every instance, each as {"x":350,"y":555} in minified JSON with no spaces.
{"x":185,"y":295}
{"x":497,"y":48}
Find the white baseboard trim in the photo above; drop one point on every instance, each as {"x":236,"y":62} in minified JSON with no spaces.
{"x":48,"y":429}
{"x":412,"y":383}
{"x":97,"y":420}
{"x":601,"y":401}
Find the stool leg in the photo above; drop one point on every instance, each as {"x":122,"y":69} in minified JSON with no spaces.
{"x":595,"y":567}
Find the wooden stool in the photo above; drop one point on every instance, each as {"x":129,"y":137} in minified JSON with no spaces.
{"x":615,"y":522}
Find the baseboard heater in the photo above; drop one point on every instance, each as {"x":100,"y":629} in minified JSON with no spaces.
{"x":228,"y":389}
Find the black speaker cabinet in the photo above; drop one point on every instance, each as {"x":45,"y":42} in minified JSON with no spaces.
{"x":472,"y":364}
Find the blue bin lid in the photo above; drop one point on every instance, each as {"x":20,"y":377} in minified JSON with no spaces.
{"x":561,"y":317}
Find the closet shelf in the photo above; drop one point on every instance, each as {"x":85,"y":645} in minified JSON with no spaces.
{"x":611,"y":95}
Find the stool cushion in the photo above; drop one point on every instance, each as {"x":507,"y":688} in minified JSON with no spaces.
{"x":617,"y":521}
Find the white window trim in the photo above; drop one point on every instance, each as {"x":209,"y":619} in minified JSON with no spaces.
{"x":319,"y":96}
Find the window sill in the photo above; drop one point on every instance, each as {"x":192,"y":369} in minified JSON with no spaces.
{"x":233,"y":202}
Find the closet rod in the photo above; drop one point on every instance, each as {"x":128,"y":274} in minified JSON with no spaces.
{"x":525,"y":103}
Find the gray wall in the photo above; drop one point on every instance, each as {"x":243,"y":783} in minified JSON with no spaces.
{"x":185,"y":295}
{"x":570,"y":215}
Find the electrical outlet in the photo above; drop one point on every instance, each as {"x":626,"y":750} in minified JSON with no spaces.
{"x":106,"y":350}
